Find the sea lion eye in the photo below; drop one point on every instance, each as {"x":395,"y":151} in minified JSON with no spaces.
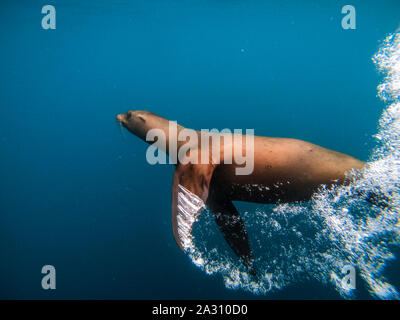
{"x":128,"y":115}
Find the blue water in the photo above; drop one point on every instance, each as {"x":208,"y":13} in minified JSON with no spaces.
{"x":76,"y":192}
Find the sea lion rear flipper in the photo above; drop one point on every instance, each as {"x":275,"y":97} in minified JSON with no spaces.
{"x":232,"y":227}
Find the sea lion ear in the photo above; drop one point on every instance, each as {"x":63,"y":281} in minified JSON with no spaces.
{"x":186,"y":207}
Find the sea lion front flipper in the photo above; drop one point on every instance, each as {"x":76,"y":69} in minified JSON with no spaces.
{"x":232,"y":227}
{"x":190,"y":192}
{"x":189,"y":195}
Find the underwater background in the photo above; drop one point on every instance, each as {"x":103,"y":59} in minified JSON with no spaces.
{"x":77,"y":193}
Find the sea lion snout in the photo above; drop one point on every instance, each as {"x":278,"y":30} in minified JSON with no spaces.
{"x":121,"y":117}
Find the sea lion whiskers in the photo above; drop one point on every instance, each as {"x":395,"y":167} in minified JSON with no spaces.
{"x":122,"y":130}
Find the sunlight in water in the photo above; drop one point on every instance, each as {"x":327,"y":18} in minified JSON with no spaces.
{"x":338,"y":227}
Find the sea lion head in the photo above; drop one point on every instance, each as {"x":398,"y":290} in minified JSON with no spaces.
{"x":140,"y":122}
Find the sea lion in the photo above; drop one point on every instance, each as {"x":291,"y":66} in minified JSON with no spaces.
{"x":285,"y":170}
